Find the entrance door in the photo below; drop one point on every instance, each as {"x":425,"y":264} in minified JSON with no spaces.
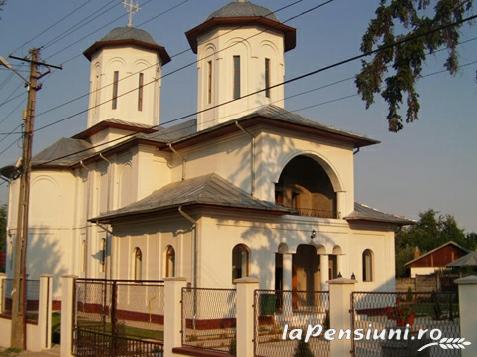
{"x":306,"y":274}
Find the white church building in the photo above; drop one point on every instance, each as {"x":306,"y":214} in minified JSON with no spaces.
{"x":244,"y":189}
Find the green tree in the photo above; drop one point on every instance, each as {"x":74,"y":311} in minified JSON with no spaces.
{"x":430,"y":231}
{"x":302,"y":349}
{"x":394,"y":71}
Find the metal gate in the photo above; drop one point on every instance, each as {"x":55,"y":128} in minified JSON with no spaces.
{"x":275,"y":309}
{"x":118,"y":318}
{"x":406,"y":314}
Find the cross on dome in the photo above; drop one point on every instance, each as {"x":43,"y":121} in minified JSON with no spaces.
{"x":131,"y":7}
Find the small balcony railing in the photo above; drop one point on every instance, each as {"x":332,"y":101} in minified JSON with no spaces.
{"x":313,"y":212}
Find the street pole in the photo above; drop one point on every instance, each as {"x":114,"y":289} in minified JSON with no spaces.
{"x":19,"y":292}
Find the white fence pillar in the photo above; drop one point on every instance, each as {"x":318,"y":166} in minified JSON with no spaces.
{"x":245,"y":315}
{"x":67,"y":315}
{"x":44,"y":313}
{"x":324,"y":273}
{"x":340,"y":305}
{"x":468,"y":318}
{"x":172,"y":313}
{"x":3,"y":277}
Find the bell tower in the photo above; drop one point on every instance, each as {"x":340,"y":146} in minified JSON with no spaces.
{"x":126,"y":66}
{"x":240,"y":50}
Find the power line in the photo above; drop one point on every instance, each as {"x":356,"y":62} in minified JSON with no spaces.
{"x":51,"y":26}
{"x":12,"y":111}
{"x":291,"y":80}
{"x":109,"y":23}
{"x":180,"y":68}
{"x":296,"y":110}
{"x":102,"y":10}
{"x":11,"y":97}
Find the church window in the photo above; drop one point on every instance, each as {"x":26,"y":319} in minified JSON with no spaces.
{"x":140,"y":92}
{"x":367,"y":265}
{"x":237,"y":88}
{"x":84,"y":255}
{"x":267,"y":78}
{"x":103,"y":255}
{"x":170,"y":262}
{"x":115,"y":90}
{"x":240,"y":261}
{"x":209,"y":82}
{"x":137,"y":264}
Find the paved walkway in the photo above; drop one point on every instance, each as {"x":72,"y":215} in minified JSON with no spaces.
{"x":54,"y":352}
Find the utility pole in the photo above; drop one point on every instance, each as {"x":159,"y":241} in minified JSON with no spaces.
{"x":19,"y":292}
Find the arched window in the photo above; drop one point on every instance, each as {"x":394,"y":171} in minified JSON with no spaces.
{"x":170,"y":262}
{"x":137,"y":264}
{"x":103,"y":254}
{"x":240,"y":261}
{"x":368,"y":265}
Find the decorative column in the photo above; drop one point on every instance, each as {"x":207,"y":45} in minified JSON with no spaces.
{"x":468,"y":318}
{"x":67,"y":315}
{"x":340,"y":305}
{"x":324,"y":274}
{"x":287,"y":271}
{"x":172,"y":314}
{"x":245,"y":315}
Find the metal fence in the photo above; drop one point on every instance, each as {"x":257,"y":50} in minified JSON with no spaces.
{"x":403,"y":312}
{"x":295,"y":309}
{"x":209,"y":318}
{"x":32,"y":299}
{"x":116,"y":317}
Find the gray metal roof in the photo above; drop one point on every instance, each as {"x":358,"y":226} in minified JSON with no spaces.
{"x":243,"y":9}
{"x":63,"y":147}
{"x":129,"y":33}
{"x":174,"y":132}
{"x":203,"y":190}
{"x":365,"y":213}
{"x":186,"y":130}
{"x":469,"y":260}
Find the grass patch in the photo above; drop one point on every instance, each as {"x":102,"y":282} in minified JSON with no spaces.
{"x":56,"y":328}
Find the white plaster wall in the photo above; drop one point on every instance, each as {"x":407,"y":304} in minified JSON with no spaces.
{"x":153,"y":237}
{"x":423,"y":271}
{"x":253,"y":44}
{"x":263,"y":236}
{"x":230,"y":158}
{"x":129,"y":61}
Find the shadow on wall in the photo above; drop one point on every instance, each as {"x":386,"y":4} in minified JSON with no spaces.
{"x":45,"y":256}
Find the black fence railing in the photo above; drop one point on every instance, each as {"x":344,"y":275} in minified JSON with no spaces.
{"x":276,"y":310}
{"x":209,"y":318}
{"x":127,"y":316}
{"x":32,"y":299}
{"x":411,"y":312}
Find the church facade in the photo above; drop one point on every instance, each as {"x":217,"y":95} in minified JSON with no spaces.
{"x":244,"y":189}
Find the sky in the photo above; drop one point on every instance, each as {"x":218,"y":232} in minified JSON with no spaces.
{"x":430,"y":164}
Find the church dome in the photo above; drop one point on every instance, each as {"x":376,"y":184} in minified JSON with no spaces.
{"x":123,"y":36}
{"x":243,"y":13}
{"x":243,"y":9}
{"x":129,"y":33}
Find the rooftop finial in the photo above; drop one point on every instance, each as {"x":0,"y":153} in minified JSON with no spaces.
{"x":131,"y":7}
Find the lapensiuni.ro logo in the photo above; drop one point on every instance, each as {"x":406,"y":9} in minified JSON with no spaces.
{"x":372,"y":334}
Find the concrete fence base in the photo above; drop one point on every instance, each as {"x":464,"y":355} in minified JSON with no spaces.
{"x":38,"y":334}
{"x":340,"y":291}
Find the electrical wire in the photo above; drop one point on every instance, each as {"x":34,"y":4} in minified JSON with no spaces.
{"x":180,"y":68}
{"x":51,"y":26}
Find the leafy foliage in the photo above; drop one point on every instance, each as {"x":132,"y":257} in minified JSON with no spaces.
{"x":397,"y":20}
{"x":302,"y":349}
{"x":431,"y":231}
